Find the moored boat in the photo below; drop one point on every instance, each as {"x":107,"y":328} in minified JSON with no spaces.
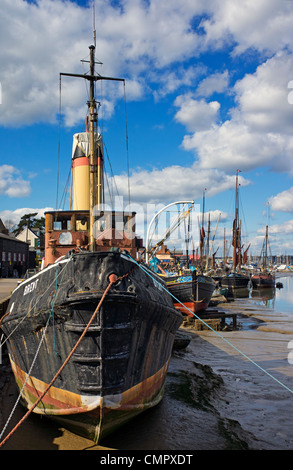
{"x":90,"y":336}
{"x":191,"y":294}
{"x":235,"y":280}
{"x":263,"y":279}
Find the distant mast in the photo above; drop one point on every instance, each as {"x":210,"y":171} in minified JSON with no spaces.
{"x":236,"y":229}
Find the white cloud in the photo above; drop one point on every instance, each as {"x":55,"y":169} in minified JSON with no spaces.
{"x":175,"y":183}
{"x":14,"y":216}
{"x":131,"y":39}
{"x":196,"y":114}
{"x":283,"y":201}
{"x":265,"y":25}
{"x":215,"y":83}
{"x":262,"y":97}
{"x":11,"y":182}
{"x":285,"y":228}
{"x":259,"y":131}
{"x":134,"y":39}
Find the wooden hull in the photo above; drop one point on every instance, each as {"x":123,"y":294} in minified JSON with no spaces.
{"x":235,"y":281}
{"x":194,"y":292}
{"x":119,"y":368}
{"x":263,"y":280}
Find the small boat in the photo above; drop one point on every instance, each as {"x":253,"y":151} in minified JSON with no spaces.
{"x":263,"y":279}
{"x":235,"y":280}
{"x":193,"y":291}
{"x":90,"y":335}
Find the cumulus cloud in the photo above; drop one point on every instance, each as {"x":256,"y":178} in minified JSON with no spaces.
{"x":11,"y":182}
{"x":265,"y":25}
{"x":196,"y":114}
{"x":13,"y":217}
{"x":283,"y":201}
{"x":46,"y":37}
{"x":215,"y":83}
{"x":259,"y":130}
{"x":171,"y":183}
{"x":134,"y":39}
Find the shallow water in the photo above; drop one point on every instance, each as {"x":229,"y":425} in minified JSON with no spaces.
{"x":278,"y":299}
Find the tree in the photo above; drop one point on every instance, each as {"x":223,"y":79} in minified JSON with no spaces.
{"x":29,"y":221}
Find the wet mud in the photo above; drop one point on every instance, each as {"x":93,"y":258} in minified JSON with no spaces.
{"x":187,"y":418}
{"x":214,"y":398}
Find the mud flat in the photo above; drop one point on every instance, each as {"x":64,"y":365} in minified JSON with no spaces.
{"x":227,"y":390}
{"x":256,"y":370}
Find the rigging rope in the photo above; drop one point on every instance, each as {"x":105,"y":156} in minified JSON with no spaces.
{"x":33,"y":306}
{"x":42,"y":339}
{"x":127,"y":156}
{"x":59,"y":138}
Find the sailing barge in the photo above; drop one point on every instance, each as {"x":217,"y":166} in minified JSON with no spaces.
{"x":90,"y":336}
{"x":264,"y":277}
{"x":236,"y":279}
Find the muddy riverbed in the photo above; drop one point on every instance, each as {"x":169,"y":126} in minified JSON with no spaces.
{"x":230,"y":390}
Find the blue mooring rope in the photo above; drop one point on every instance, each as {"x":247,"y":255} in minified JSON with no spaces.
{"x":222,"y":337}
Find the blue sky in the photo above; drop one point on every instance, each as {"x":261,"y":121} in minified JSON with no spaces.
{"x":208,"y":92}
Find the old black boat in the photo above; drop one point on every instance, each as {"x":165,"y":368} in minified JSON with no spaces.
{"x":90,"y":336}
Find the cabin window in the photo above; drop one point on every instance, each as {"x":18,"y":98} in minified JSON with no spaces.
{"x":81,"y":224}
{"x":61,"y":224}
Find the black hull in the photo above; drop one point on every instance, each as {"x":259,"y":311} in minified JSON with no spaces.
{"x":263,"y":280}
{"x":235,"y":281}
{"x":123,"y":358}
{"x":194,"y":292}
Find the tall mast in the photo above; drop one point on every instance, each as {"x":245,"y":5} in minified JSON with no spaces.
{"x":236,"y":240}
{"x":93,"y":173}
{"x":96,"y":160}
{"x":265,"y":258}
{"x":202,"y":232}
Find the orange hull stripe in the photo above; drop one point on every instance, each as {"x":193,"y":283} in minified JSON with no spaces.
{"x":62,"y":402}
{"x":193,"y":306}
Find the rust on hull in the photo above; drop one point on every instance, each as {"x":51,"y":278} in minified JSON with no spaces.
{"x":193,"y":293}
{"x":119,"y":368}
{"x":94,"y":418}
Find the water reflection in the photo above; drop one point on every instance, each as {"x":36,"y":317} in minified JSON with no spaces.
{"x":266,"y":296}
{"x":284,"y":296}
{"x":279,"y":299}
